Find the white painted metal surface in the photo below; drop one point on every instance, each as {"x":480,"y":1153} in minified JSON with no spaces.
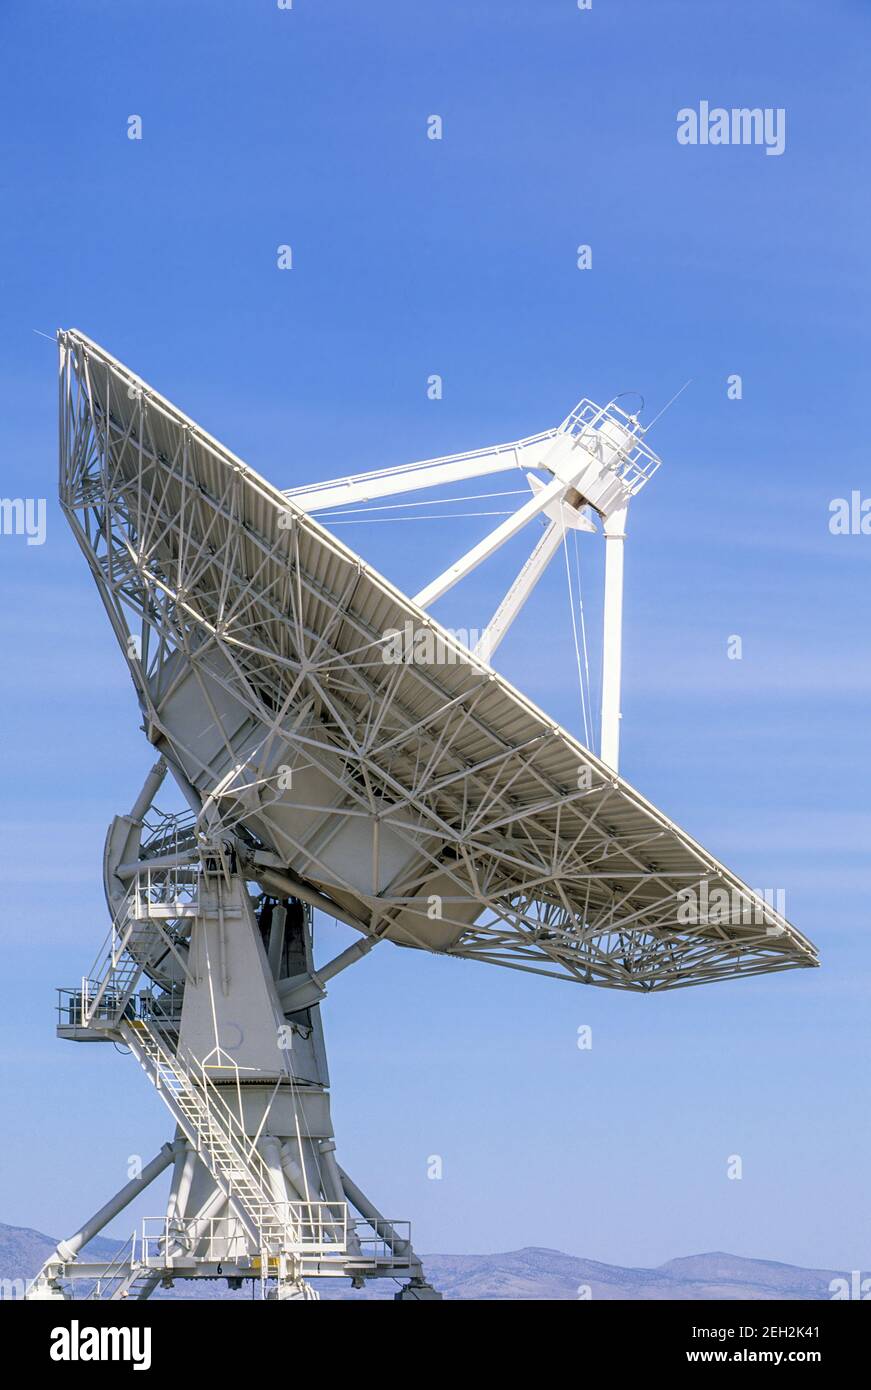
{"x":426,"y":798}
{"x":612,"y":652}
{"x":338,"y":748}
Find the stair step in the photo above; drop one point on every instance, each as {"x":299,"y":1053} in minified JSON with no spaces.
{"x":226,"y":1155}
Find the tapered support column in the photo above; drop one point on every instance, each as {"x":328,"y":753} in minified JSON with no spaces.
{"x":612,"y":647}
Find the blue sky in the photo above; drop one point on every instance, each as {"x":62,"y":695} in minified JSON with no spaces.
{"x":308,"y":127}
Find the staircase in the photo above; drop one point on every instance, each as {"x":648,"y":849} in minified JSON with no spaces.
{"x":139,"y":1283}
{"x":129,"y":1276}
{"x":275,"y":1228}
{"x":136,"y":938}
{"x":107,"y":991}
{"x":131,"y":943}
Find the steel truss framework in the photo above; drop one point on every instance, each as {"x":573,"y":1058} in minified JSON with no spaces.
{"x":423,"y":799}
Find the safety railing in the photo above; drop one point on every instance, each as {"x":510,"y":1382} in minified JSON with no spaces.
{"x":228,"y":1151}
{"x":166,"y":833}
{"x":83,"y":1006}
{"x":322,"y":1229}
{"x":118,"y":1268}
{"x":382,"y":1242}
{"x":167,"y":892}
{"x":608,"y":429}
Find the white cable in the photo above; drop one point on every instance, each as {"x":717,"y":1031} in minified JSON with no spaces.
{"x":428,"y":516}
{"x":433,"y":502}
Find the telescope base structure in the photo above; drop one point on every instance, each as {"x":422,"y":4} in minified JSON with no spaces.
{"x":256,"y":1193}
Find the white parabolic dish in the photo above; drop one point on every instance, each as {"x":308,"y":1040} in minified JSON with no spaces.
{"x":426,"y":800}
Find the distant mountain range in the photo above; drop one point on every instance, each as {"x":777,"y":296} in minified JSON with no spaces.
{"x":531,"y":1273}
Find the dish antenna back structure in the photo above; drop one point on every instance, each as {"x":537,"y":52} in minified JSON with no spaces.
{"x":339,"y":750}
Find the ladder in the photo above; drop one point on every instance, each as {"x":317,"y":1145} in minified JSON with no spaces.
{"x":215,"y":1132}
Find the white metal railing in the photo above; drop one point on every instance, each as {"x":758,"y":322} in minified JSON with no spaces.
{"x":167,"y":892}
{"x":107,"y":989}
{"x":166,"y":1240}
{"x":213,"y":1238}
{"x":89,"y":1003}
{"x":382,"y":1242}
{"x":118,"y":1268}
{"x":230,"y":1153}
{"x":104,"y":994}
{"x":634,"y":463}
{"x":168,"y":832}
{"x":82,"y":1006}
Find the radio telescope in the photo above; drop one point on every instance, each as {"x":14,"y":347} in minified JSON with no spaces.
{"x":338,"y":750}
